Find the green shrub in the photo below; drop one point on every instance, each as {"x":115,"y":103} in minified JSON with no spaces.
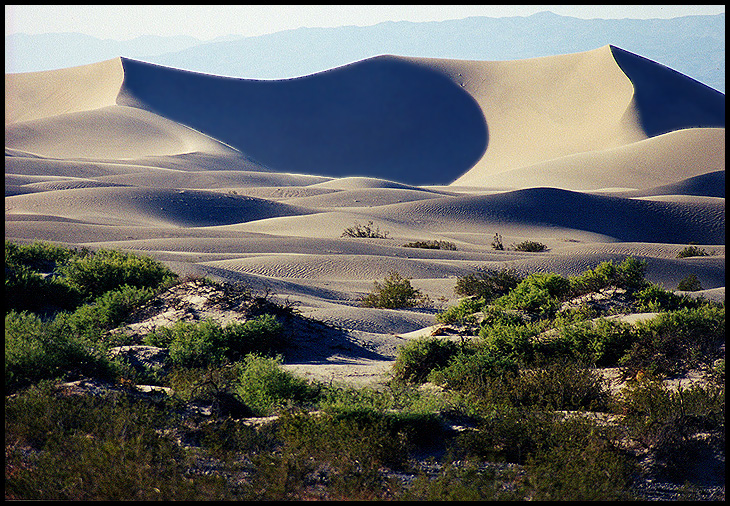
{"x":417,"y":358}
{"x":530,"y":246}
{"x":473,"y":372}
{"x":662,"y":421}
{"x":94,"y":448}
{"x":106,"y":270}
{"x":654,"y":298}
{"x":628,"y":275}
{"x":602,"y":342}
{"x":676,"y":342}
{"x":202,"y":343}
{"x":28,"y":290}
{"x":106,"y":312}
{"x":265,"y":387}
{"x":487,"y":284}
{"x":261,"y":334}
{"x":39,"y":256}
{"x":431,"y":245}
{"x":36,"y":350}
{"x":368,"y":231}
{"x":689,"y":283}
{"x":537,"y":294}
{"x":464,"y":312}
{"x":512,"y":341}
{"x":396,"y":292}
{"x":692,"y":251}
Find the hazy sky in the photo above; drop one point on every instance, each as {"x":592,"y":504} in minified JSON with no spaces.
{"x":122,"y":22}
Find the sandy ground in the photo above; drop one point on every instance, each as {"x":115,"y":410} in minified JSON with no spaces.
{"x":257,"y":180}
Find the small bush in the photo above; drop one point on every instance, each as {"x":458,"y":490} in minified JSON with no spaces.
{"x":396,"y":292}
{"x":431,"y":245}
{"x":689,"y":283}
{"x":106,"y":270}
{"x":538,"y":294}
{"x":692,"y":251}
{"x":265,"y":387}
{"x":487,"y":284}
{"x":464,"y":312}
{"x":36,"y":350}
{"x":497,"y":242}
{"x":675,"y":342}
{"x":417,"y":358}
{"x":368,"y":231}
{"x":530,"y":246}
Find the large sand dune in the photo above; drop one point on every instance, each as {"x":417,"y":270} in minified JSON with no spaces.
{"x":598,"y":155}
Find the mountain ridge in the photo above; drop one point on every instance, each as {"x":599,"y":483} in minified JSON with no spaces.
{"x":694,"y":45}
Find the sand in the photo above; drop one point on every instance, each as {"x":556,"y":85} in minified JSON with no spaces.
{"x":598,"y":155}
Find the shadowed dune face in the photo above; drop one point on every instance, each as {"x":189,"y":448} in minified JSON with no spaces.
{"x":667,"y":100}
{"x":382,"y":117}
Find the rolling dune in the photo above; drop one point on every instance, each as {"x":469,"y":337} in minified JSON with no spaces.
{"x":598,"y":155}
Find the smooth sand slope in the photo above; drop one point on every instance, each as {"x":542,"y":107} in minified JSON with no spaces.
{"x":598,"y":155}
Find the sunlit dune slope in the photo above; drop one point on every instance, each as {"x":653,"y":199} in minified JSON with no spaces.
{"x":148,"y":206}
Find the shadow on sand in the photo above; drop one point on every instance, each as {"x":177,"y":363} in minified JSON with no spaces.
{"x":377,"y":117}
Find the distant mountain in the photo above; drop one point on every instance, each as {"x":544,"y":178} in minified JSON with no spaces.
{"x":692,"y":45}
{"x":51,"y":51}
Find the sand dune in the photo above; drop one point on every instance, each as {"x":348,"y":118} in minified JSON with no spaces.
{"x":598,"y":155}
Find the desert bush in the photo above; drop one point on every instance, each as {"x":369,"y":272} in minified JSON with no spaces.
{"x":95,"y":448}
{"x":473,"y":371}
{"x":464,"y":481}
{"x":602,"y":342}
{"x":39,"y":256}
{"x":692,"y":251}
{"x":676,"y":342}
{"x":497,"y":242}
{"x":654,"y":298}
{"x":106,"y":312}
{"x":591,"y":470}
{"x":537,"y":294}
{"x":431,"y":245}
{"x":396,"y":292}
{"x":530,"y":246}
{"x":689,"y":283}
{"x":512,"y":341}
{"x":265,"y":387}
{"x":29,"y":290}
{"x":492,"y":380}
{"x":464,"y":312}
{"x":36,"y":350}
{"x":663,"y":422}
{"x":106,"y":270}
{"x":628,"y":275}
{"x":417,"y":358}
{"x":488,"y":284}
{"x":368,"y":231}
{"x":202,"y":343}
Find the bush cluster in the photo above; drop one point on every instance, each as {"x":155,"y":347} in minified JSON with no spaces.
{"x":518,"y":397}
